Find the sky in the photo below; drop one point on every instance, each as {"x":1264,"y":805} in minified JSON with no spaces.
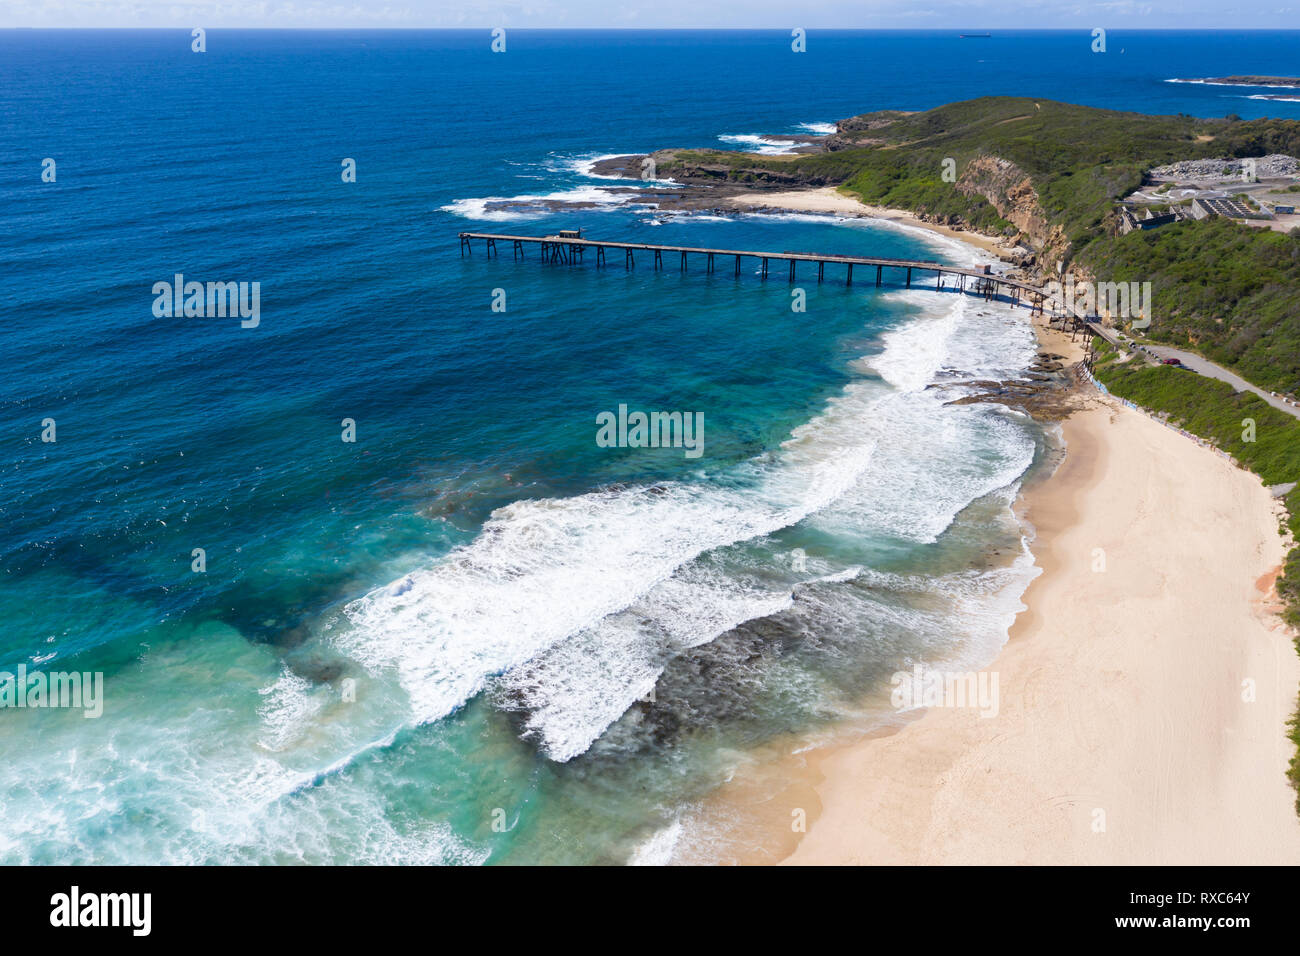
{"x":646,"y":14}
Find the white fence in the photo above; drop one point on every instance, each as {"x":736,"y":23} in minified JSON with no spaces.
{"x":1087,"y":373}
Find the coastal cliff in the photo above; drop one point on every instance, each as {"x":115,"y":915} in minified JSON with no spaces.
{"x":1010,"y":190}
{"x":1037,"y":173}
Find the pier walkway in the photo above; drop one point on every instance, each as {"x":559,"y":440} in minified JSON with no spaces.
{"x":570,"y":249}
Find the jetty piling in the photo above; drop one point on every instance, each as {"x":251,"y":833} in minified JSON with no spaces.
{"x":569,"y":248}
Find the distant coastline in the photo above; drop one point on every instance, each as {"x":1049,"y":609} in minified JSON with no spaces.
{"x":1284,"y":82}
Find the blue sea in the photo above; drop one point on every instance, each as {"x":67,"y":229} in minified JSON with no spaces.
{"x":473,"y":634}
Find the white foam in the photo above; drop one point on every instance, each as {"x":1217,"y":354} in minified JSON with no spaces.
{"x":576,"y":689}
{"x":765,"y":145}
{"x":1266,"y":86}
{"x":601,"y":198}
{"x":657,"y":849}
{"x":288,"y":706}
{"x":543,"y":570}
{"x":573,"y":603}
{"x":932,"y":458}
{"x":586,"y":166}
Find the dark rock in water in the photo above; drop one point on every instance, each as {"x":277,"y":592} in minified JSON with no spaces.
{"x":664,"y":723}
{"x":628,"y":167}
{"x":317,"y":670}
{"x":276,"y":632}
{"x":1047,"y":398}
{"x":279,"y":609}
{"x":553,"y":205}
{"x":292,"y":637}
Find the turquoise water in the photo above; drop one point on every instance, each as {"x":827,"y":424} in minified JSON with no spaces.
{"x":432,"y":644}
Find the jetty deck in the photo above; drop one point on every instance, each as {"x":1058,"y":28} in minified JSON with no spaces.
{"x":571,"y":249}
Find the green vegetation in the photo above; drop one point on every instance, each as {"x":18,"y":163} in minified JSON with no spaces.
{"x":1224,"y":290}
{"x":1232,"y":293}
{"x":919,"y":187}
{"x":1213,"y":410}
{"x":1293,"y":771}
{"x":1078,"y":159}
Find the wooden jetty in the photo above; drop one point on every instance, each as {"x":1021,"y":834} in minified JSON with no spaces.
{"x":568,"y":247}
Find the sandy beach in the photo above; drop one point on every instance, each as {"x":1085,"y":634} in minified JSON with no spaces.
{"x":1144,"y":693}
{"x":830,"y":200}
{"x":1124,"y":735}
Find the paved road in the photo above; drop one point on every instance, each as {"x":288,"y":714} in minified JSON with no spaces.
{"x":1158,"y":353}
{"x":1205,"y":367}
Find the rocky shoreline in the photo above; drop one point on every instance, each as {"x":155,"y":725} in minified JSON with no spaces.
{"x":714,"y":184}
{"x":694,"y":191}
{"x":1283,"y":81}
{"x":1045,"y":393}
{"x":683,"y":194}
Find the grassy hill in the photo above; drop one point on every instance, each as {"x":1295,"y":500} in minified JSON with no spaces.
{"x":1230,"y":292}
{"x":1077,"y":159}
{"x":1050,"y":173}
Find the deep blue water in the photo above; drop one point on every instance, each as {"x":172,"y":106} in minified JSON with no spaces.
{"x":225,"y":735}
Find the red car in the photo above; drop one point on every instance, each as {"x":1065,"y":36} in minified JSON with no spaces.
{"x":1171,"y":362}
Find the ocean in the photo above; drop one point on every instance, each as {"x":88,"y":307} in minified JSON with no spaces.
{"x":473,"y":634}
